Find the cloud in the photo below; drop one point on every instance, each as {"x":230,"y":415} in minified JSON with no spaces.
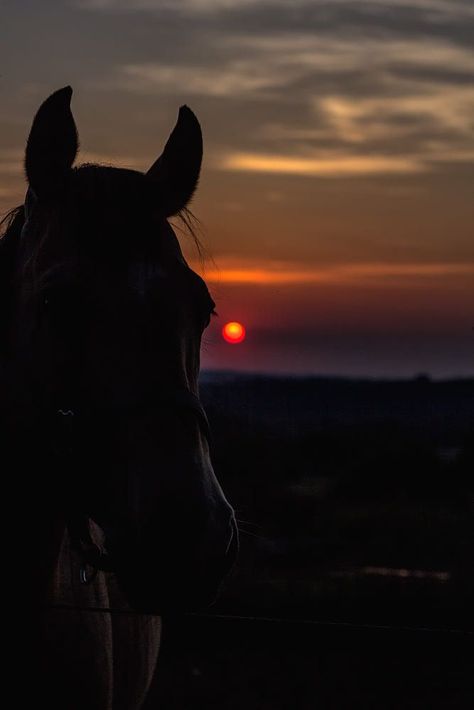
{"x":8,"y":192}
{"x":191,"y":6}
{"x":325,"y":88}
{"x":236,"y":78}
{"x":246,"y":65}
{"x":240,"y":271}
{"x":362,"y":119}
{"x":337,"y":166}
{"x":11,"y":162}
{"x":431,"y":7}
{"x":395,"y":96}
{"x":339,"y":51}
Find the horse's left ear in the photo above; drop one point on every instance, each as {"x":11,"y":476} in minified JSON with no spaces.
{"x":52,"y":144}
{"x":176,"y":172}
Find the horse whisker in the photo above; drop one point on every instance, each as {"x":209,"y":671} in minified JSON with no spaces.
{"x":248,"y":522}
{"x":250,"y":534}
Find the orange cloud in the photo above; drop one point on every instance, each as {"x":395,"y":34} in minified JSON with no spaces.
{"x":233,"y":271}
{"x":328,"y":166}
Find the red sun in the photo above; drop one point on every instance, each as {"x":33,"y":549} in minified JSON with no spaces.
{"x":233,"y":332}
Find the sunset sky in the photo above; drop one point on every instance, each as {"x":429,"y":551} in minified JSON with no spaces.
{"x":336,"y":197}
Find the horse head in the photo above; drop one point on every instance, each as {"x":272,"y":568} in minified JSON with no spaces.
{"x":105,"y":328}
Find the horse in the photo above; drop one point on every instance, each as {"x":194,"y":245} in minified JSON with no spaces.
{"x":109,"y":475}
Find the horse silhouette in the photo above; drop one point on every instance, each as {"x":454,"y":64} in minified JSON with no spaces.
{"x":107,"y":442}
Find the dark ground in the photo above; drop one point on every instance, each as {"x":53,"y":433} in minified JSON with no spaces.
{"x":235,"y":665}
{"x":356,"y":501}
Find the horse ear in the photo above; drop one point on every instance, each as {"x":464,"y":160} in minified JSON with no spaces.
{"x":176,"y":172}
{"x":52,"y":144}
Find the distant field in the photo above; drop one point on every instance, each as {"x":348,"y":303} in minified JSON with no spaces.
{"x":236,"y":665}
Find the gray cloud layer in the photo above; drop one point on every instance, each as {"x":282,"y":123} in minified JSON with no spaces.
{"x":357,"y":77}
{"x":319,"y":80}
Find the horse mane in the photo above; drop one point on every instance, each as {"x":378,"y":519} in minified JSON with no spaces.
{"x":10,"y":231}
{"x":12,"y":223}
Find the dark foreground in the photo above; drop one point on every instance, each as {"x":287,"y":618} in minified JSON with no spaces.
{"x":235,"y":665}
{"x":356,"y":501}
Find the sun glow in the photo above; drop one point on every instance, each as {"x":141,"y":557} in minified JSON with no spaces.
{"x":233,"y":332}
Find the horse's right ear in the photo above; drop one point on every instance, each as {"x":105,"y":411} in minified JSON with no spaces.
{"x":52,"y":144}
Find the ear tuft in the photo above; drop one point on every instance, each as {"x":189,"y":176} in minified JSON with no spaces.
{"x":52,"y":144}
